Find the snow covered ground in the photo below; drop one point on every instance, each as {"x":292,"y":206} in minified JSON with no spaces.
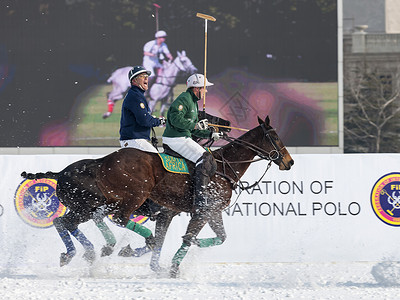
{"x":131,"y":278}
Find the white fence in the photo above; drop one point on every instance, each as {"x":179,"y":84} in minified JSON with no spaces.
{"x":319,"y":211}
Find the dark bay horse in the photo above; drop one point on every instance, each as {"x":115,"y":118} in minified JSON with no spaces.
{"x":121,"y":182}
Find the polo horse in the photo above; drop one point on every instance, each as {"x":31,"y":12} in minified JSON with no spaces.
{"x":122,"y":181}
{"x":161,"y":90}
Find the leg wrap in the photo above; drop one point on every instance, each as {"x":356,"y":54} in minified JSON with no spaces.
{"x":66,"y":238}
{"x":106,"y":232}
{"x":64,"y":235}
{"x":180,"y":254}
{"x":209,"y":242}
{"x":139,"y":229}
{"x":110,"y":105}
{"x":87,"y":245}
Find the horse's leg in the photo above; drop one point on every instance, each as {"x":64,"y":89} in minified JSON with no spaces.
{"x":123,"y":219}
{"x":69,"y":223}
{"x":65,"y":258}
{"x":217,"y":225}
{"x":196,"y":223}
{"x":107,"y":249}
{"x":89,"y":254}
{"x":162,"y":223}
{"x":143,"y":231}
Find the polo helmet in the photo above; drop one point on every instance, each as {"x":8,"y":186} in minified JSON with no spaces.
{"x":136,"y":71}
{"x":197,"y":80}
{"x":160,"y":34}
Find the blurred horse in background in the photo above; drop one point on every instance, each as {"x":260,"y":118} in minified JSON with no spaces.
{"x":161,"y":90}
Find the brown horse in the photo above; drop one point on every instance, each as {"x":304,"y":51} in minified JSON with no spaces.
{"x":128,"y":178}
{"x":121,"y":182}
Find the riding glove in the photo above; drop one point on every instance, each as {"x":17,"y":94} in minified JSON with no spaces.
{"x":202,"y":125}
{"x":216,"y":135}
{"x":162,"y":121}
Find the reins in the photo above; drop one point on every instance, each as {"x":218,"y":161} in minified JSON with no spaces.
{"x":263,"y":155}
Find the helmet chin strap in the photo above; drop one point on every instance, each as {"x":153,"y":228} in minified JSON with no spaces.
{"x":198,"y":94}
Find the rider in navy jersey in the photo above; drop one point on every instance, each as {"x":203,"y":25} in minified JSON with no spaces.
{"x":136,"y":118}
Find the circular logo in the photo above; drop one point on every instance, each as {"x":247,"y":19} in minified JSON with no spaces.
{"x":142,"y":105}
{"x":36,"y":202}
{"x":385,"y":199}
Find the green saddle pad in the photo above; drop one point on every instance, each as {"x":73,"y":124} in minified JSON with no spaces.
{"x":174,"y":164}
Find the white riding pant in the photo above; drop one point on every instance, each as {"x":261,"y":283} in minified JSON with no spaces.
{"x":186,"y":147}
{"x":141,"y":144}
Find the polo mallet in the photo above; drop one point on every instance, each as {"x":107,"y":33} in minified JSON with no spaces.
{"x":157,"y":7}
{"x":206,"y":18}
{"x":223,"y":126}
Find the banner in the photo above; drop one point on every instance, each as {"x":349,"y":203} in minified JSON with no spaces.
{"x":326,"y":208}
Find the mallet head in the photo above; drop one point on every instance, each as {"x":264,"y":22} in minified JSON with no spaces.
{"x":206,"y":17}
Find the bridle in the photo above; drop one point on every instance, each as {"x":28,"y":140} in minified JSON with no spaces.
{"x":273,"y":155}
{"x":182,"y":67}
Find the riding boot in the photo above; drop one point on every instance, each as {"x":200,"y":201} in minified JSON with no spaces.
{"x":204,"y":170}
{"x":201,"y":180}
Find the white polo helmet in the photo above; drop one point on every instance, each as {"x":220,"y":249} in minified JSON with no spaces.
{"x":160,"y":34}
{"x":197,"y":80}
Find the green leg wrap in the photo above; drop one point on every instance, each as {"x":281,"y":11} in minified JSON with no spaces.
{"x":107,"y":234}
{"x":204,"y":243}
{"x":180,"y":254}
{"x":139,"y":229}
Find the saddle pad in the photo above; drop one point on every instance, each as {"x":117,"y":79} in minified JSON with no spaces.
{"x":174,"y":164}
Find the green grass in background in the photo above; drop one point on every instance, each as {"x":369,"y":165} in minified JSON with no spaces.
{"x":88,"y":128}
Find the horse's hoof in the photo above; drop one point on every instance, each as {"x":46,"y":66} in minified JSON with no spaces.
{"x":174,"y":272}
{"x":156,"y":268}
{"x":106,"y":115}
{"x":89,"y":256}
{"x":65,"y":258}
{"x":141,"y":251}
{"x":107,"y":250}
{"x":126,"y":251}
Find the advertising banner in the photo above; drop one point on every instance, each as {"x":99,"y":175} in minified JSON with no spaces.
{"x":327,"y":208}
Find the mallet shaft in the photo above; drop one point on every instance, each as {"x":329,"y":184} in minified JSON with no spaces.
{"x":237,"y":128}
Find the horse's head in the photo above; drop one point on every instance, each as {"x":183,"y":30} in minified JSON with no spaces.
{"x":273,"y":145}
{"x":184,"y":63}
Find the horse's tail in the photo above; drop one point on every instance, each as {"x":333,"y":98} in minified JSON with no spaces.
{"x":50,"y":175}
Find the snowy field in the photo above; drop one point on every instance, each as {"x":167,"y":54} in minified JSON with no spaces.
{"x":122,"y":278}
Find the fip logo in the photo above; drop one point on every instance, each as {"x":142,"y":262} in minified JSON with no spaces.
{"x":36,"y":202}
{"x":385,"y":199}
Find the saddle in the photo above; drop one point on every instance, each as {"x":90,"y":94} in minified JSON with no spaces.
{"x":174,"y":162}
{"x":169,"y":151}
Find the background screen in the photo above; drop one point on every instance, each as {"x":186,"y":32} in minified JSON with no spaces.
{"x":276,"y":58}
